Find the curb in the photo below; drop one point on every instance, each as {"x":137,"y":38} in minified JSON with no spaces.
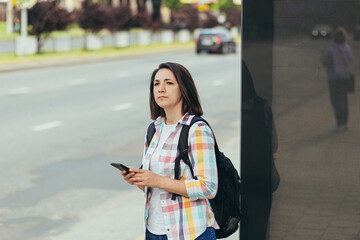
{"x":86,"y":60}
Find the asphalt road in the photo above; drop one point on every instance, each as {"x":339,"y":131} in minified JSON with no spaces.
{"x":62,"y":127}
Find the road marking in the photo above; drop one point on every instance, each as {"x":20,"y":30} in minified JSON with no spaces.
{"x":17,"y":91}
{"x":122,"y":107}
{"x":46,"y":126}
{"x":123,"y":75}
{"x":218,"y":83}
{"x":78,"y":82}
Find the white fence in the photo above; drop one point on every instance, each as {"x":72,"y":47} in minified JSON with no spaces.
{"x":119,"y":39}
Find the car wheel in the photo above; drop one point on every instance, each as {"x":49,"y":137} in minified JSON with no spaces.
{"x":198,"y":51}
{"x":225,"y":49}
{"x":233,"y":50}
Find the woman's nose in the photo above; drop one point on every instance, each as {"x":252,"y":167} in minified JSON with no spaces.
{"x":161,"y":87}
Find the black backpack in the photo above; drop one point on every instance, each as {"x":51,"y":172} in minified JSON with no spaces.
{"x":226,"y":204}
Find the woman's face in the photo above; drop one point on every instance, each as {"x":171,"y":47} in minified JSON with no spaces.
{"x":166,"y":90}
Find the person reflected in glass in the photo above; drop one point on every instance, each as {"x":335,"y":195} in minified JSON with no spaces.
{"x":339,"y":61}
{"x":259,"y":177}
{"x":174,"y":101}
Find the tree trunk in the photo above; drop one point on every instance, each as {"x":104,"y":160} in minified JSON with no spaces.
{"x":39,"y":43}
{"x":140,"y":4}
{"x":156,"y":10}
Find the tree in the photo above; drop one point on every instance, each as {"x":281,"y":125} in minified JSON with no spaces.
{"x":119,"y":18}
{"x":185,"y":17}
{"x":223,"y":5}
{"x":92,"y":17}
{"x":233,"y":16}
{"x":156,"y":16}
{"x":210,"y":20}
{"x":173,"y":4}
{"x":45,"y":17}
{"x":143,"y":18}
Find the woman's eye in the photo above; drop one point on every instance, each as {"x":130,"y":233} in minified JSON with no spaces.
{"x":170,"y":83}
{"x":155,"y":84}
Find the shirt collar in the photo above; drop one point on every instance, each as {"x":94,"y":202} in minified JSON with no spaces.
{"x":185,"y":120}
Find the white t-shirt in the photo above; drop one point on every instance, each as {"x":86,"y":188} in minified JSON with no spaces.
{"x":155,"y":223}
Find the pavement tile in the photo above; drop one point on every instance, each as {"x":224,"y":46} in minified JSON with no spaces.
{"x":312,"y":225}
{"x":344,"y":223}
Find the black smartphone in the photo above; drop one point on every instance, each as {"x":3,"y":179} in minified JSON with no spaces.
{"x":121,"y":167}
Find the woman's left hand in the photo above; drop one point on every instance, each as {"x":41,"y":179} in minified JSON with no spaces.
{"x":146,"y":178}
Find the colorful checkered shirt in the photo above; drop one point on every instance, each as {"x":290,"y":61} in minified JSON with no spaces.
{"x":186,"y":217}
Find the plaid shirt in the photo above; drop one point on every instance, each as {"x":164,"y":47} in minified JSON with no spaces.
{"x":186,"y":217}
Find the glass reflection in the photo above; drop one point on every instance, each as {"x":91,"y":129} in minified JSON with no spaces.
{"x":316,"y":114}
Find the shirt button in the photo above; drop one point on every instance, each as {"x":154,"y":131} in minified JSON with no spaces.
{"x":168,"y":229}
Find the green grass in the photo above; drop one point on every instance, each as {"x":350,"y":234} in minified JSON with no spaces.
{"x":3,"y":35}
{"x":7,"y":59}
{"x":73,"y":31}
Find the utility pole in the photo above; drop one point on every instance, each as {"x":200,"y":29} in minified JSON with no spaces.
{"x":9,"y":18}
{"x":23,"y":41}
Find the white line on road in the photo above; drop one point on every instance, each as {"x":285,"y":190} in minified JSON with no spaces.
{"x":17,"y":91}
{"x":46,"y":126}
{"x":218,"y":83}
{"x":78,"y":82}
{"x":122,"y":107}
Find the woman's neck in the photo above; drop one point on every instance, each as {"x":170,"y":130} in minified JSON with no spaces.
{"x":172,"y":117}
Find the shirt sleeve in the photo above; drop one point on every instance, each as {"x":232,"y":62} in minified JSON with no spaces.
{"x":203,"y":159}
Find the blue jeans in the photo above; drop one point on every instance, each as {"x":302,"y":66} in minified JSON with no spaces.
{"x":209,"y":234}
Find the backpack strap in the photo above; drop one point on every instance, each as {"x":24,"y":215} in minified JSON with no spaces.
{"x":150,"y":133}
{"x":197,"y":119}
{"x":183,"y":148}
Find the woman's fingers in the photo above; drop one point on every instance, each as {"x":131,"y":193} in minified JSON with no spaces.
{"x":136,"y":170}
{"x":140,"y":177}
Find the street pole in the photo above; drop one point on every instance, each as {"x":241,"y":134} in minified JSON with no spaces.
{"x":24,"y":25}
{"x":9,"y":18}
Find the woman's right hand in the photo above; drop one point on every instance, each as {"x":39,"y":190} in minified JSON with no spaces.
{"x":127,"y":177}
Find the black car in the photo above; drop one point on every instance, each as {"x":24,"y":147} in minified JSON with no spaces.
{"x":216,"y":40}
{"x":321,"y":31}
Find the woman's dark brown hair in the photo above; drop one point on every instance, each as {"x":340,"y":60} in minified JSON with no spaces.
{"x":189,"y":94}
{"x":340,"y":35}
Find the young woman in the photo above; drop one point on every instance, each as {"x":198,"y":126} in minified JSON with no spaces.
{"x":174,"y":101}
{"x":339,"y":62}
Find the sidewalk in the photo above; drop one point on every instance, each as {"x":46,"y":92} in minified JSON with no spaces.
{"x":88,"y":60}
{"x":319,"y":193}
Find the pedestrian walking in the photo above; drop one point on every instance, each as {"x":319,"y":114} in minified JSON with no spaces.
{"x":338,"y":61}
{"x":174,"y":101}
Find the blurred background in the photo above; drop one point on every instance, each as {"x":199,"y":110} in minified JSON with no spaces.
{"x":74,"y":89}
